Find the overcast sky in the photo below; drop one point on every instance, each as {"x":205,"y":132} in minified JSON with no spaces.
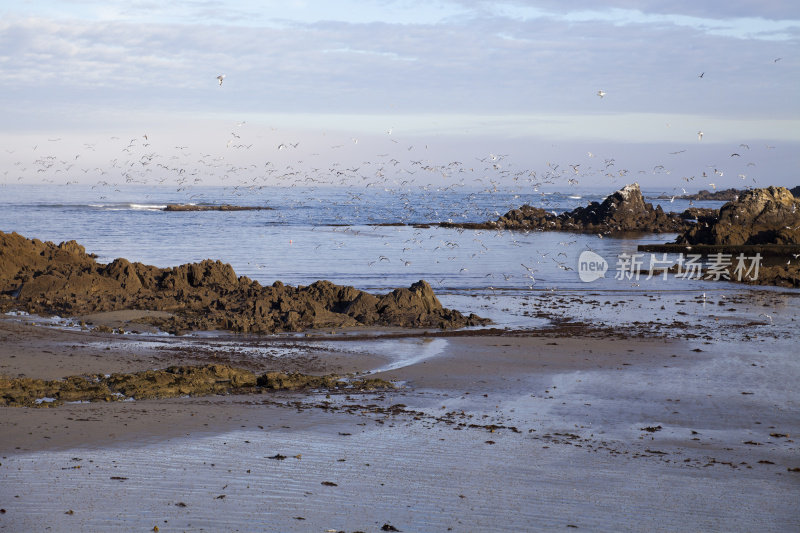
{"x":441,"y":80}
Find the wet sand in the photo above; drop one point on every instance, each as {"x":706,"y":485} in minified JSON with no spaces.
{"x":509,"y":431}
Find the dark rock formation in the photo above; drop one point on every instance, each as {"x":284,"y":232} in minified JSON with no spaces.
{"x":701,"y":215}
{"x":759,"y":216}
{"x":769,"y":216}
{"x":42,"y":278}
{"x":224,"y":207}
{"x":725,"y":195}
{"x":622,"y":211}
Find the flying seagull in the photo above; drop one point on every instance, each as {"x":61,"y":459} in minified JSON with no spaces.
{"x":700,"y":135}
{"x":220,"y":78}
{"x":601,"y":93}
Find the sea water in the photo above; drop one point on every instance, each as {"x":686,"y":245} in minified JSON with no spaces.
{"x":344,"y":235}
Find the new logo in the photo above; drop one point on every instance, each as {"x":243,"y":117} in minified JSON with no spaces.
{"x":591,"y":266}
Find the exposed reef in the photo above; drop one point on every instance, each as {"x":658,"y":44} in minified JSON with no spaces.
{"x":203,"y":207}
{"x":624,"y":211}
{"x":761,"y":222}
{"x":171,"y":382}
{"x":49,"y":279}
{"x":758,"y":216}
{"x":724,"y":195}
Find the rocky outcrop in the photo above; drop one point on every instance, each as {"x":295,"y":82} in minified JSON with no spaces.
{"x":758,"y":216}
{"x":172,"y":382}
{"x":204,"y":207}
{"x":624,"y":211}
{"x":769,"y":216}
{"x":621,"y":212}
{"x":725,"y":195}
{"x":44,"y":278}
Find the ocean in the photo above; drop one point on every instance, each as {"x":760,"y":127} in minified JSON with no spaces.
{"x":654,"y":420}
{"x":343,"y":235}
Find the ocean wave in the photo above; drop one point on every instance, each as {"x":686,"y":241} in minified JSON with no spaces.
{"x":127,"y":207}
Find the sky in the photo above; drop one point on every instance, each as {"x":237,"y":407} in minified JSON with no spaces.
{"x":502,"y":88}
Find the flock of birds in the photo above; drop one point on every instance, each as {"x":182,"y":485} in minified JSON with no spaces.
{"x":398,"y":166}
{"x":246,"y":162}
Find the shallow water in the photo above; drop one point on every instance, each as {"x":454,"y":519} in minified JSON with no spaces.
{"x":580,"y":458}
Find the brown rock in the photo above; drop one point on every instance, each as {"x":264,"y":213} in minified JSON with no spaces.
{"x":623,"y":211}
{"x":46,"y":279}
{"x":759,"y":216}
{"x":171,"y":382}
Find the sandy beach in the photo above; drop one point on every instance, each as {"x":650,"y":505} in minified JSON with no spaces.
{"x":403,"y":266}
{"x":504,"y":430}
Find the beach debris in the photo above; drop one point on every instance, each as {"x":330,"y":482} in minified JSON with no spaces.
{"x":329,"y":484}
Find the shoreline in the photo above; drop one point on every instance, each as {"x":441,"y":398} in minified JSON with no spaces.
{"x":500,"y":429}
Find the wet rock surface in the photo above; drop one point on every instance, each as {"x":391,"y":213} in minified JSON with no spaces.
{"x":48,"y":279}
{"x":621,"y":212}
{"x":172,"y":382}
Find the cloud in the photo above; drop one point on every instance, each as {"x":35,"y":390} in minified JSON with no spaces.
{"x":474,"y":59}
{"x":774,"y":10}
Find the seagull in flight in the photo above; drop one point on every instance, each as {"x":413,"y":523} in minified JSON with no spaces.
{"x":601,"y":93}
{"x":700,"y":135}
{"x":220,"y":78}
